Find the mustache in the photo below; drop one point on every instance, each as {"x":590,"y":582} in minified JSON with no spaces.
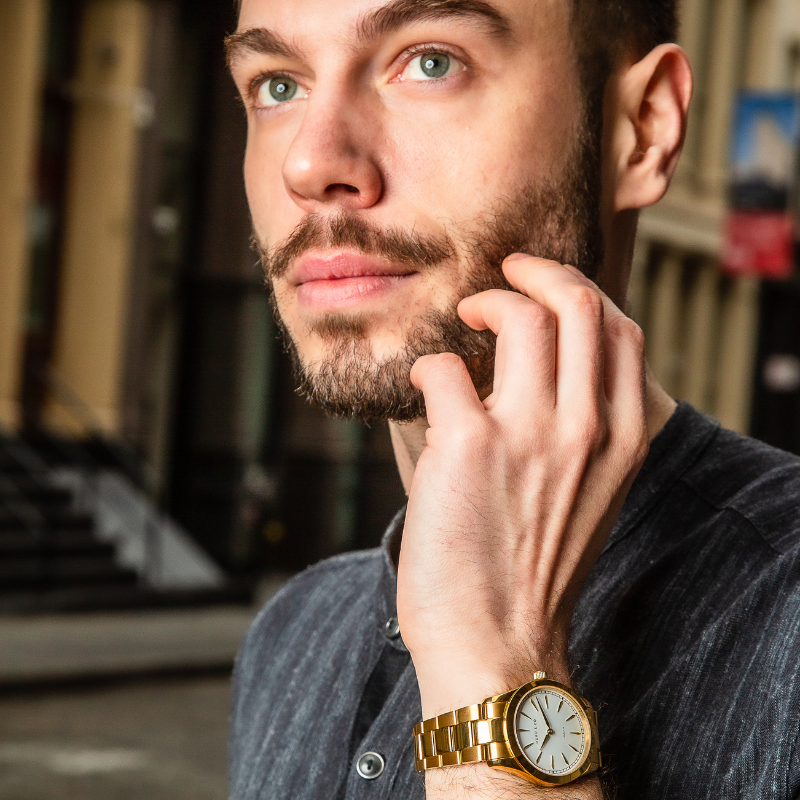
{"x":347,"y":229}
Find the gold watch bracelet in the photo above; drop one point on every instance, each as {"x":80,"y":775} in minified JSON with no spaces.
{"x":465,"y":736}
{"x":477,"y":734}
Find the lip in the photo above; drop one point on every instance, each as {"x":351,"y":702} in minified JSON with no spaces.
{"x":344,"y":278}
{"x":342,"y":265}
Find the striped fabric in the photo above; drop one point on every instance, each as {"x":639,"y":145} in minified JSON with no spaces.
{"x":686,"y":639}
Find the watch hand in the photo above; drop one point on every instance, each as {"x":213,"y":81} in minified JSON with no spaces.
{"x":544,"y":741}
{"x":547,"y":721}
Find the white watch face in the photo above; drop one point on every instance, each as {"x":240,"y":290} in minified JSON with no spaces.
{"x":550,"y":731}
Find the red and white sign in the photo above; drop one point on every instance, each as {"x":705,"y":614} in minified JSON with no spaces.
{"x":759,"y":243}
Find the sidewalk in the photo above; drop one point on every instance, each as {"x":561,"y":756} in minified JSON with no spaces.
{"x":75,"y":647}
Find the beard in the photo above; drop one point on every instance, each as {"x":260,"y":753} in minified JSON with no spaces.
{"x":558,"y":220}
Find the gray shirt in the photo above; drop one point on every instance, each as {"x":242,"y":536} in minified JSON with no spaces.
{"x":686,"y":639}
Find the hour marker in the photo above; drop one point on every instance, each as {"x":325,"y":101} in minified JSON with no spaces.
{"x":538,"y":758}
{"x":531,"y":745}
{"x":569,"y":718}
{"x":559,"y":705}
{"x":552,"y":763}
{"x":545,"y":701}
{"x":524,"y":730}
{"x":574,"y":748}
{"x":575,"y":733}
{"x":565,"y":759}
{"x":525,"y":715}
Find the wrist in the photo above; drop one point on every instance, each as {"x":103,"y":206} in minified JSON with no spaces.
{"x":450,"y":683}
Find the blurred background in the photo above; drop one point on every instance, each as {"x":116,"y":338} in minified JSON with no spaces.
{"x":159,"y":477}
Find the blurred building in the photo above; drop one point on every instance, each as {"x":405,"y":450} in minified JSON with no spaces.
{"x":710,"y":338}
{"x":132,"y":313}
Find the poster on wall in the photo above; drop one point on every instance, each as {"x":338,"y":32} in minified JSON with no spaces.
{"x":760,"y":229}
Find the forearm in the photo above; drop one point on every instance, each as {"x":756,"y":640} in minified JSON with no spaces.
{"x":480,"y":782}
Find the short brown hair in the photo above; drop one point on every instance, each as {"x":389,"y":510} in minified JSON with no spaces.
{"x":607,"y":29}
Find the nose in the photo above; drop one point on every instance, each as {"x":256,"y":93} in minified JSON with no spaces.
{"x":331,"y":160}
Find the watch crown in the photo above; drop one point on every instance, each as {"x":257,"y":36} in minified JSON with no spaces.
{"x":538,"y":676}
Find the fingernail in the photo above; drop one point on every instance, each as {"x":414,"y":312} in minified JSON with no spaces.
{"x":517,"y":256}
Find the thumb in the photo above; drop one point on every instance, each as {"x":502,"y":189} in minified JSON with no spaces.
{"x":450,"y":397}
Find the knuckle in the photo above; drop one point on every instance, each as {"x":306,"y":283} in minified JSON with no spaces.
{"x":583,"y":299}
{"x":635,"y":332}
{"x":625,"y":327}
{"x":533,"y":321}
{"x":589,"y":432}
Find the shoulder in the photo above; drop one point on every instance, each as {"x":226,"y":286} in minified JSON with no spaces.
{"x":759,"y":483}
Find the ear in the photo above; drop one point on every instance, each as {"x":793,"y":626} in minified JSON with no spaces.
{"x":650,"y":109}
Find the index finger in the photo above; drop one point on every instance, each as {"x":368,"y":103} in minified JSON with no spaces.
{"x":623,"y":345}
{"x":579,"y":313}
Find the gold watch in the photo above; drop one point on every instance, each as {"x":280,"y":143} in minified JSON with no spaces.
{"x":542,"y":732}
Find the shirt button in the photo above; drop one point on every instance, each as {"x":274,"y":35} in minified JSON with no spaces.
{"x":392,"y":628}
{"x":370,"y":766}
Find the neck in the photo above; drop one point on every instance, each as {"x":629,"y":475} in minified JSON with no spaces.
{"x":408,"y":441}
{"x":408,"y":438}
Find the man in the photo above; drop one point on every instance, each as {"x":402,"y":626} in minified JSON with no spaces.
{"x":445,"y":194}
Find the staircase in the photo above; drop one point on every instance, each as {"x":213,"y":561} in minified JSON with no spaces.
{"x":76,"y":534}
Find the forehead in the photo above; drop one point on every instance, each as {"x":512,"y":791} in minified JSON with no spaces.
{"x":348,"y":21}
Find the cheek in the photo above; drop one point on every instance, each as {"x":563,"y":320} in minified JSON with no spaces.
{"x":455,"y":166}
{"x":263,"y":178}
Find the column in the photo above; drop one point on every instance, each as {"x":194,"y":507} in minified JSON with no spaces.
{"x":693,"y":14}
{"x":692,"y":18}
{"x":92,"y":315}
{"x":636,"y":306}
{"x":701,"y":328}
{"x":664,"y":320}
{"x":22,"y":29}
{"x":738,"y":343}
{"x":765,"y":50}
{"x":740,"y":312}
{"x":722,"y":80}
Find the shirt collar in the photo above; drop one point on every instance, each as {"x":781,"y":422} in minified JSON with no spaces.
{"x":675,"y":448}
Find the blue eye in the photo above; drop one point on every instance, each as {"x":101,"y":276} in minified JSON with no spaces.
{"x":277,"y":90}
{"x":435,"y":65}
{"x":430,"y":66}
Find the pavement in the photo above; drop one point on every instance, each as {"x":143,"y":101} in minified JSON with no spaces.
{"x":123,"y":705}
{"x":66,"y":648}
{"x":139,"y":739}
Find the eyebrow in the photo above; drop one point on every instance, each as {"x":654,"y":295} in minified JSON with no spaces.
{"x":374,"y":24}
{"x":260,"y":41}
{"x":399,"y":13}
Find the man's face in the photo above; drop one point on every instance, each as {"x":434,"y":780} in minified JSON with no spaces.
{"x":397,"y":152}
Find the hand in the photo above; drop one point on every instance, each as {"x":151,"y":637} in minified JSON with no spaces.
{"x":513,"y":497}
